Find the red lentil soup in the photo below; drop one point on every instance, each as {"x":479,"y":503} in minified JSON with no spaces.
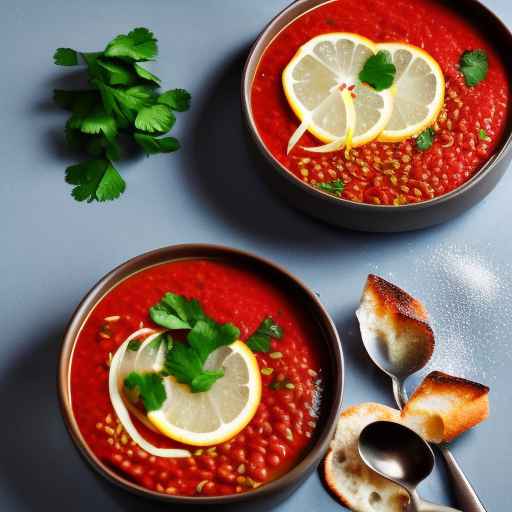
{"x":390,"y":173}
{"x":285,"y":421}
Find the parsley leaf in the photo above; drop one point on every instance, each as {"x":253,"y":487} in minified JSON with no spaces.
{"x":152,"y":145}
{"x":150,"y":388}
{"x":259,"y":341}
{"x":425,"y":139}
{"x":334,"y":187}
{"x":65,"y":57}
{"x":140,"y":44}
{"x":474,"y":66}
{"x":378,"y":71}
{"x":95,"y":180}
{"x":157,"y":118}
{"x":177,"y":99}
{"x":145,"y":74}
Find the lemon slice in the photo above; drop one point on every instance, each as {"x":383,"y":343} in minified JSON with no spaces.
{"x":322,"y":87}
{"x":419,"y":91}
{"x":214,"y":416}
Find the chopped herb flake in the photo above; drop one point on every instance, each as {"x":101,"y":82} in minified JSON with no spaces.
{"x":425,"y":139}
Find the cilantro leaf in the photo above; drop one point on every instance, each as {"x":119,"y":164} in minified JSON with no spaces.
{"x":145,"y":74}
{"x":176,"y":312}
{"x":152,"y":145}
{"x":334,"y":187}
{"x":425,"y":139}
{"x":207,"y":336}
{"x":185,"y":360}
{"x":99,"y":122}
{"x":65,"y":57}
{"x":259,"y":341}
{"x":111,"y":185}
{"x":140,"y":44}
{"x":134,"y":345}
{"x":177,"y":99}
{"x":117,"y":74}
{"x":156,"y":118}
{"x":150,"y":388}
{"x":184,"y":363}
{"x":136,"y":97}
{"x":95,"y":180}
{"x":378,"y":71}
{"x":93,"y":68}
{"x":474,"y":66}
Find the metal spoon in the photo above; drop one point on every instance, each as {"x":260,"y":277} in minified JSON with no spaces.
{"x":399,"y":371}
{"x":400,"y":455}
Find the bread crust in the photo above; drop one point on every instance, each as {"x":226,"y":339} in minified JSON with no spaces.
{"x":372,"y":412}
{"x":468,"y":403}
{"x":395,"y":307}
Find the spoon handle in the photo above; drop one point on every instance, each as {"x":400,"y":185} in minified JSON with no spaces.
{"x":466,"y":495}
{"x":419,"y":505}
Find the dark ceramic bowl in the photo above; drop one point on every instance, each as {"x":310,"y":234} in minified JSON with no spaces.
{"x":381,"y":218}
{"x":328,"y":341}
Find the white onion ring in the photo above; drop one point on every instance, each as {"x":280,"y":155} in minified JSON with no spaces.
{"x":120,"y":407}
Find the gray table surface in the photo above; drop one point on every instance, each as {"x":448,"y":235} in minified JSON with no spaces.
{"x":54,"y":249}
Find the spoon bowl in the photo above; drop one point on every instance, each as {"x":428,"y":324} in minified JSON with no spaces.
{"x":396,"y":453}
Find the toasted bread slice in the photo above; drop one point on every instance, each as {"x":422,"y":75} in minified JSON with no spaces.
{"x":443,"y":407}
{"x":348,"y":478}
{"x":394,"y":326}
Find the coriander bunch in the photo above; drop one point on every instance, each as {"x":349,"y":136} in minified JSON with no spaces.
{"x":122,"y":97}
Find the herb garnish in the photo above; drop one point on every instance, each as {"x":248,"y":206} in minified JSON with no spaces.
{"x":334,"y":187}
{"x":425,"y":139}
{"x":474,"y":66}
{"x":134,"y":345}
{"x":122,"y":98}
{"x":482,"y":135}
{"x":185,"y":360}
{"x":149,"y":387}
{"x":378,"y":71}
{"x":259,"y":341}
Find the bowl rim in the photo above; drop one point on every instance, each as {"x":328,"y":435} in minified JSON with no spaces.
{"x":201,"y":251}
{"x":250,"y":67}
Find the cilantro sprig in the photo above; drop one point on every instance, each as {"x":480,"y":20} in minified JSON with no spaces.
{"x":259,"y":341}
{"x":474,"y":66}
{"x":122,"y":98}
{"x":378,"y":71}
{"x":185,"y":360}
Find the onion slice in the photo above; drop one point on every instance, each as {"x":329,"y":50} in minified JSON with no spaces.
{"x":114,"y":384}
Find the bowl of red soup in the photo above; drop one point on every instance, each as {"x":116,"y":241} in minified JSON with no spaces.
{"x":198,"y":374}
{"x":381,"y":115}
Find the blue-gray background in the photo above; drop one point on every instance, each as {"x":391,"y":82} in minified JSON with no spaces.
{"x":54,"y":249}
